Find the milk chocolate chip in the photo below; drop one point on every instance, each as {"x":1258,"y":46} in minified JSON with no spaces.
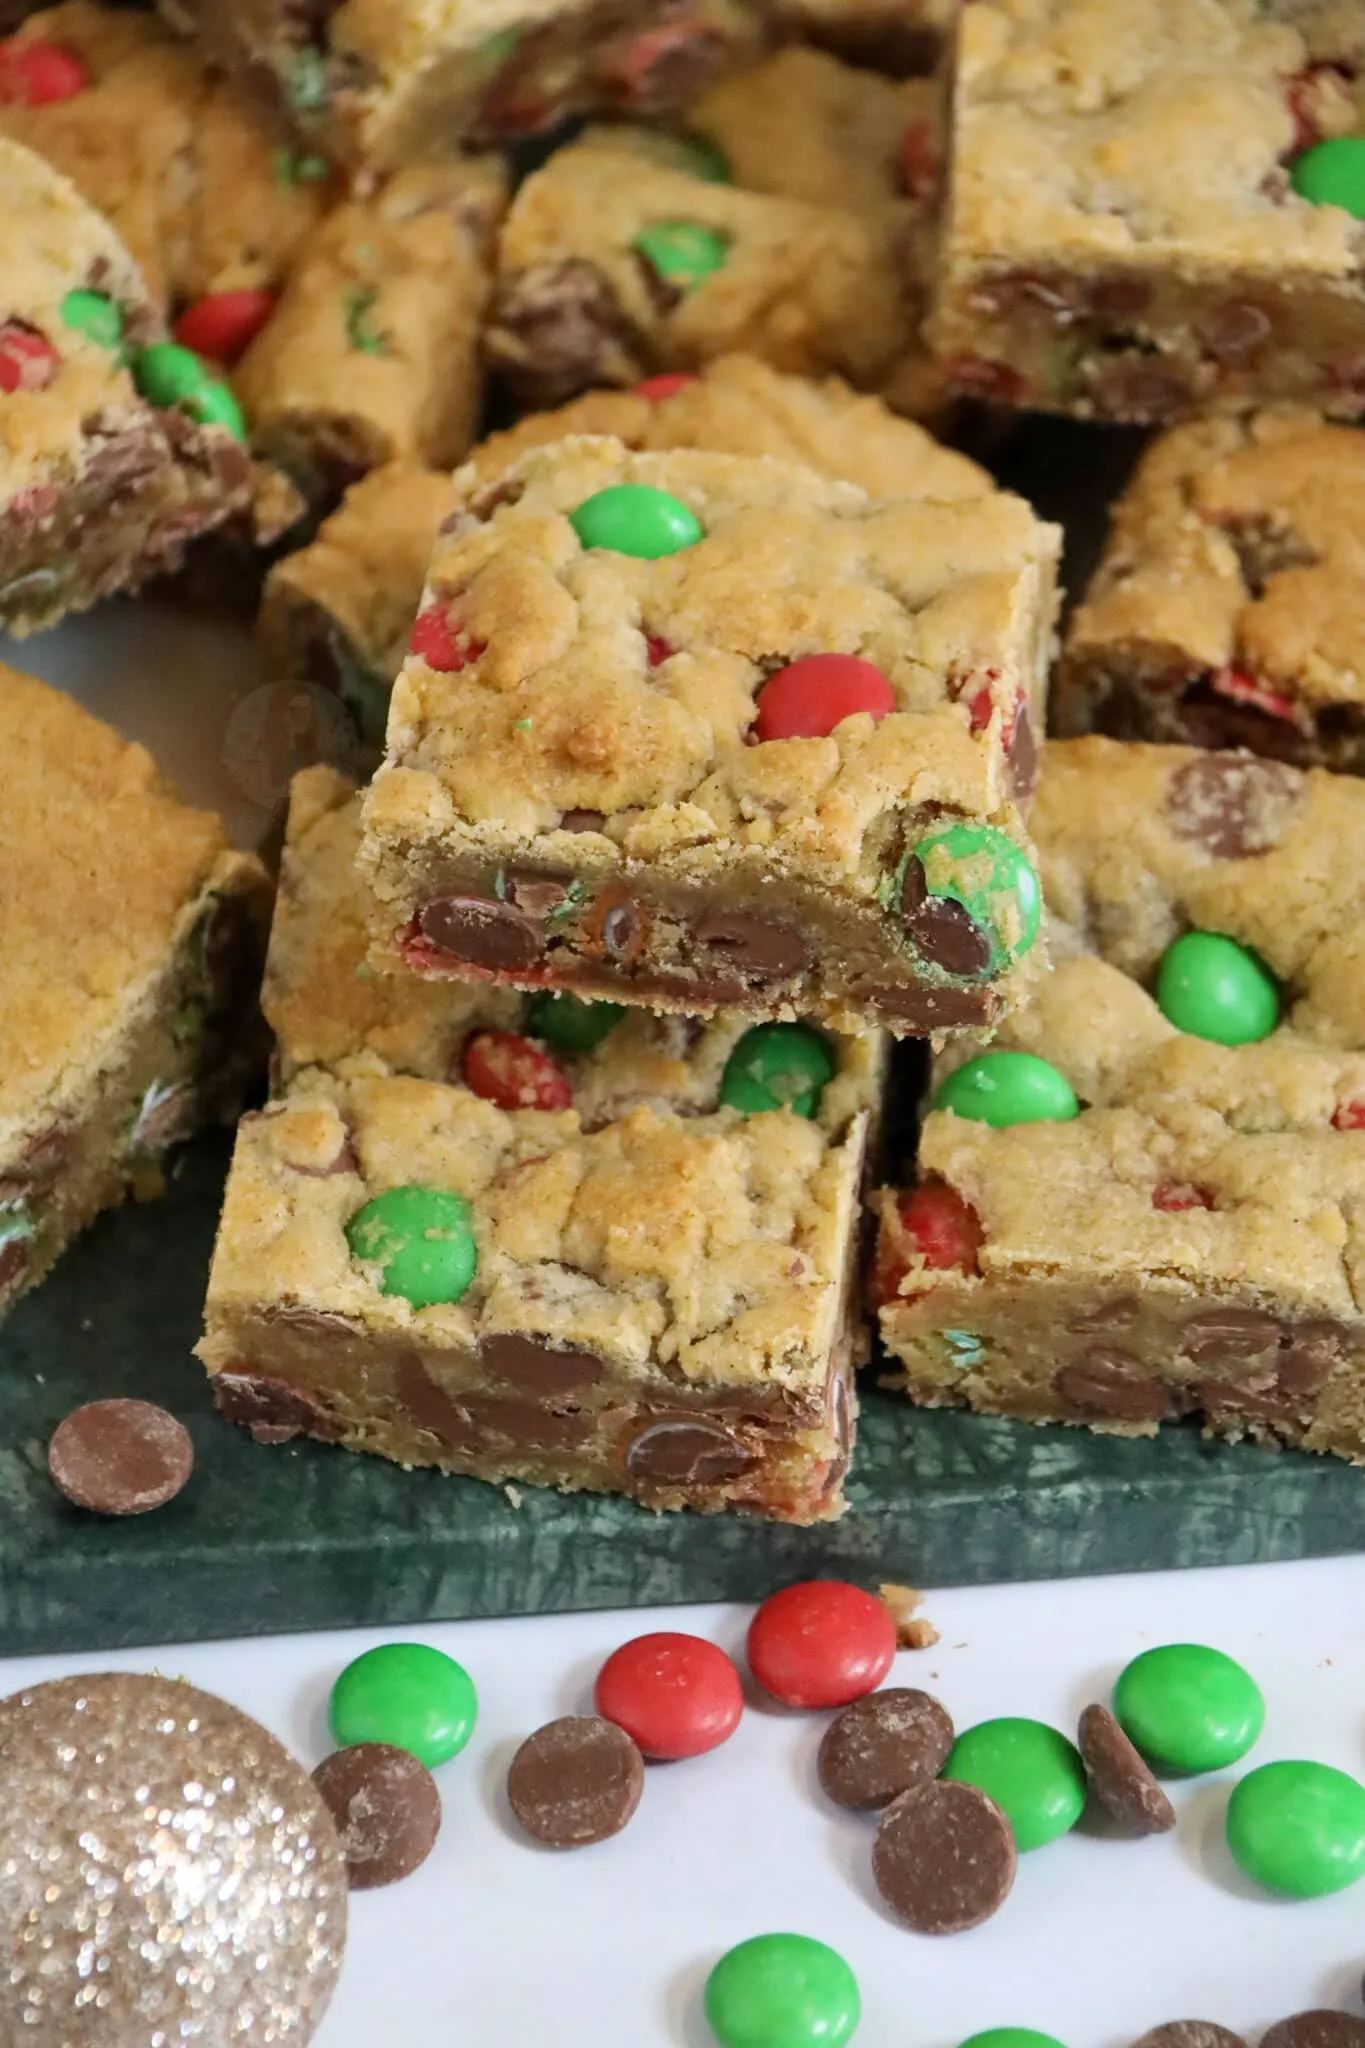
{"x":272,"y":1410}
{"x":757,"y":946}
{"x":1112,"y":1385}
{"x":575,"y":1781}
{"x":1190,"y":2034}
{"x":1234,"y":805}
{"x":939,"y":928}
{"x":1231,"y":1342}
{"x":541,"y":1370}
{"x":620,"y":928}
{"x":944,"y":1858}
{"x":386,"y":1808}
{"x":1022,"y":752}
{"x":686,"y":1453}
{"x":1309,"y":1357}
{"x":480,"y":930}
{"x":1120,"y":1780}
{"x":120,"y":1457}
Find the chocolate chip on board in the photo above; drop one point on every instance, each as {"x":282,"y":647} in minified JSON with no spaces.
{"x":944,"y":1858}
{"x":1190,"y":2034}
{"x":1234,"y":805}
{"x":1316,"y":2029}
{"x":386,"y":1808}
{"x":480,"y":930}
{"x":757,"y":946}
{"x":1123,"y":1784}
{"x":686,"y":1453}
{"x":120,"y":1457}
{"x":939,"y":928}
{"x":882,"y":1745}
{"x":575,"y":1781}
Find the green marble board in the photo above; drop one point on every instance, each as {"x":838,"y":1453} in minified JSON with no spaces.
{"x":302,"y":1536}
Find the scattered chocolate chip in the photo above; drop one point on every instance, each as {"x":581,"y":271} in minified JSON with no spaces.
{"x":686,"y":1453}
{"x":1118,"y":1313}
{"x":271,"y":1409}
{"x":882,"y":1745}
{"x":482,"y":931}
{"x":940,"y":929}
{"x":944,"y":1858}
{"x":1111,"y":1384}
{"x":431,"y":1408}
{"x":575,"y":1781}
{"x":526,"y":1425}
{"x":1137,"y":390}
{"x":1022,"y":753}
{"x":534,"y":1367}
{"x":582,"y":821}
{"x":386,"y":1808}
{"x":1118,"y":298}
{"x":558,"y":329}
{"x":1317,"y":2029}
{"x":1309,"y":1357}
{"x":1231,"y":1342}
{"x":1119,"y":1778}
{"x":120,"y":1457}
{"x":759,"y":947}
{"x":1190,"y":2034}
{"x":1233,"y":333}
{"x":1223,"y":1399}
{"x":1234,"y":805}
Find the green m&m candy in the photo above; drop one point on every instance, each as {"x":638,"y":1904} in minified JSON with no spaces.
{"x":168,"y":374}
{"x":1188,"y":1708}
{"x":1332,"y":173}
{"x":95,"y":315}
{"x":683,"y":252}
{"x":1012,"y":2037}
{"x":1298,"y":1828}
{"x":569,"y":1023}
{"x":970,"y":899}
{"x":777,"y":1066}
{"x":636,"y":519}
{"x":422,"y":1241}
{"x":782,"y":1991}
{"x":409,"y":1695}
{"x":1004,"y":1088}
{"x":213,"y":405}
{"x":1031,"y":1772}
{"x":1213,"y":988}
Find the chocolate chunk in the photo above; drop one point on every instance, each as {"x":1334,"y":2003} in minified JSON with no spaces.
{"x":1208,"y":719}
{"x":1138,"y":390}
{"x":685,"y":1452}
{"x":760,"y":947}
{"x":386,"y":1808}
{"x":1118,"y":298}
{"x":944,"y":1858}
{"x":537,"y":895}
{"x":1316,"y":2029}
{"x":1022,"y":753}
{"x":923,"y":1010}
{"x":544,"y":1371}
{"x":575,"y":1781}
{"x":15,"y":1254}
{"x":1231,"y":1342}
{"x":1234,"y":333}
{"x":1112,"y":1385}
{"x":1118,"y":1313}
{"x":1309,"y":1357}
{"x":582,"y":821}
{"x":431,"y":1408}
{"x":1119,"y":1778}
{"x":1234,"y":805}
{"x":557,"y":329}
{"x":1222,"y":1399}
{"x":882,"y":1745}
{"x":271,"y":1409}
{"x":120,"y":1457}
{"x":526,"y":1425}
{"x":482,"y":931}
{"x":940,"y":929}
{"x":1190,"y":2034}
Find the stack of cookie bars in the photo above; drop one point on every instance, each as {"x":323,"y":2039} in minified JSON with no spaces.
{"x":704,"y":703}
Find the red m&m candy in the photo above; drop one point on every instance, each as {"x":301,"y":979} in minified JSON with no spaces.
{"x":28,"y":361}
{"x":223,"y":325}
{"x":442,"y":643}
{"x":808,"y":698}
{"x":821,"y":1644}
{"x":507,"y":1069}
{"x":664,"y":385}
{"x":674,"y":1695}
{"x":36,"y":74}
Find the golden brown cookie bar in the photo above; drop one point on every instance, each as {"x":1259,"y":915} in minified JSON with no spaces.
{"x":339,"y":612}
{"x":1125,"y":239}
{"x":372,"y":355}
{"x":101,"y":487}
{"x":609,"y":274}
{"x":1190,"y":1240}
{"x":698,"y":1354}
{"x":131,"y":938}
{"x":381,"y":83}
{"x":701,"y":730}
{"x":1226,"y":609}
{"x":205,"y":197}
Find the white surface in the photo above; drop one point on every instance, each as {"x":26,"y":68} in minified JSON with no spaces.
{"x":500,"y":1944}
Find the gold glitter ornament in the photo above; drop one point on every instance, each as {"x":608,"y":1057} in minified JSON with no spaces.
{"x":168,"y":1873}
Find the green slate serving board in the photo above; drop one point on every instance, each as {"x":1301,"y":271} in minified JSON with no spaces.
{"x":302,"y":1536}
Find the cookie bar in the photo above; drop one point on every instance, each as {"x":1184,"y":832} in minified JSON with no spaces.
{"x":607,"y":274}
{"x":372,"y":355}
{"x":1225,"y":610}
{"x":900,"y":38}
{"x":1178,"y":1231}
{"x":339,"y":613}
{"x":107,"y":472}
{"x":697,"y":731}
{"x":659,"y":1218}
{"x":1144,"y":217}
{"x":113,"y":1047}
{"x":382,"y":83}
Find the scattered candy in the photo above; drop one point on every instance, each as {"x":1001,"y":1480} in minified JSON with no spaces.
{"x":386,"y":1808}
{"x":28,"y":361}
{"x":1332,"y":173}
{"x":441,"y":643}
{"x":945,"y":1857}
{"x":665,"y":385}
{"x":1213,"y":988}
{"x":224,"y":325}
{"x":882,"y":1745}
{"x":509,"y":1070}
{"x":1188,"y":1708}
{"x":576,"y":1781}
{"x":674,"y":1695}
{"x":1030,"y":1770}
{"x":782,"y":1991}
{"x":943,"y":1229}
{"x":808,"y":698}
{"x":1005,"y":1088}
{"x":821,"y":1644}
{"x":34,"y":73}
{"x":636,"y":519}
{"x":168,"y":375}
{"x":777,"y":1066}
{"x":422,"y":1240}
{"x":95,"y":315}
{"x":213,"y":405}
{"x":1298,"y":1828}
{"x":970,"y":899}
{"x":570,"y":1024}
{"x":408,"y":1695}
{"x":1012,"y":2037}
{"x":1119,"y":1778}
{"x":682,"y":252}
{"x":120,"y":1457}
